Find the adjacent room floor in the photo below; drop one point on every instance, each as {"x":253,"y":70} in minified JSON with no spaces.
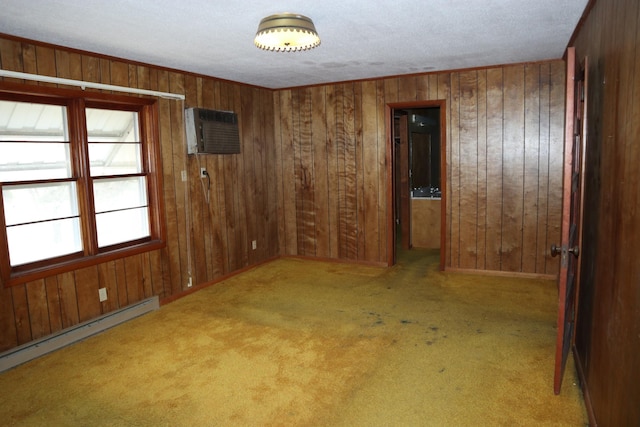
{"x":306,"y":343}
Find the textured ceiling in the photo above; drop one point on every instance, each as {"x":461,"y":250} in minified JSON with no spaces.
{"x":360,"y":39}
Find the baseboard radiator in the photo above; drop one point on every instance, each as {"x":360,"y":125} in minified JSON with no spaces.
{"x":24,"y":353}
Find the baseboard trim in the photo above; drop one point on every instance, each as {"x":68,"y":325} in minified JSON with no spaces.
{"x":584,"y":387}
{"x":34,"y":349}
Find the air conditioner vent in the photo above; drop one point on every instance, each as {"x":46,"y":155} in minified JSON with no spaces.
{"x":212,"y":132}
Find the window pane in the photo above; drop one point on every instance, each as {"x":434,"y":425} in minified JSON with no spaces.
{"x":122,"y":226}
{"x":39,"y":202}
{"x":112,"y":125}
{"x":25,"y":121}
{"x":28,"y":161}
{"x":43,"y":240}
{"x":114,"y":159}
{"x":119,"y":193}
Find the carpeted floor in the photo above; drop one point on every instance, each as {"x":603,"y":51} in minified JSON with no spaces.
{"x":303,"y":343}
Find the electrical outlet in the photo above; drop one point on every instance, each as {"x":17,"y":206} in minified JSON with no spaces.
{"x":102,"y":294}
{"x":184,"y":175}
{"x":254,"y":244}
{"x":203,"y":172}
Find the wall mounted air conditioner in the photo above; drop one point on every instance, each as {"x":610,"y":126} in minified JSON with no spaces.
{"x":211,"y":131}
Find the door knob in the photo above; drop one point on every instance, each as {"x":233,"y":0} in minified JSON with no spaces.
{"x":557,"y":250}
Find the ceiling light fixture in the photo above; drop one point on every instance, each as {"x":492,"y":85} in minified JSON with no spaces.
{"x":286,"y":32}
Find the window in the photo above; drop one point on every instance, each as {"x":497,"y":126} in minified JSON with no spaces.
{"x":79,"y":180}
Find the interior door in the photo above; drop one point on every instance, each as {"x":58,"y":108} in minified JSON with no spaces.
{"x":572,"y":208}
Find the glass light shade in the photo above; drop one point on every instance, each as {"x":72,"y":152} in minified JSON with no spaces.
{"x":286,"y":32}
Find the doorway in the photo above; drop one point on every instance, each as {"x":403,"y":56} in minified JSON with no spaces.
{"x":418,"y":175}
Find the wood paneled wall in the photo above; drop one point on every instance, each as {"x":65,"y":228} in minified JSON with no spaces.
{"x":504,"y":166}
{"x":608,"y":325}
{"x":209,"y":229}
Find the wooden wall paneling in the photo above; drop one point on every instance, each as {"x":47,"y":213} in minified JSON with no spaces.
{"x":609,"y":297}
{"x":119,"y":72}
{"x":308,"y":173}
{"x":157,"y":274}
{"x":435,"y":81}
{"x":68,"y":299}
{"x":512,"y":167}
{"x":11,"y":58}
{"x":422,"y":87}
{"x":63,"y":64}
{"x":134,"y":278}
{"x":341,"y":171}
{"x":171,"y":257}
{"x":240,"y":192}
{"x":250,"y":201}
{"x":467,"y":216}
{"x":220,"y":206}
{"x":230,"y":175}
{"x":359,"y":170}
{"x":371,"y":229}
{"x":350,"y":174}
{"x":143,"y":77}
{"x":384,"y":192}
{"x":279,"y":165}
{"x":333,"y":170}
{"x":494,"y":173}
{"x":445,"y":92}
{"x":454,"y":170}
{"x":121,"y":283}
{"x":38,"y":309}
{"x":194,"y":211}
{"x":207,"y":192}
{"x":321,"y":172}
{"x":133,"y":75}
{"x":177,"y":159}
{"x":29,"y":63}
{"x":21,"y":313}
{"x":258,"y":166}
{"x":87,"y":284}
{"x":482,"y":167}
{"x":544,"y":151}
{"x":147,"y":277}
{"x":531,"y":166}
{"x":624,"y":328}
{"x":8,"y":337}
{"x":269,"y":169}
{"x":46,"y":63}
{"x":556,"y":140}
{"x":92,"y":70}
{"x":68,"y":65}
{"x":297,"y":171}
{"x":105,"y":70}
{"x":107,"y":279}
{"x":53,"y":303}
{"x":288,"y":173}
{"x":407,"y":89}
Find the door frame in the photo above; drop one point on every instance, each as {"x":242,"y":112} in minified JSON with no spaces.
{"x":391,"y":164}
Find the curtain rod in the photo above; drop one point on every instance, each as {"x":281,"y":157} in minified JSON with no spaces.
{"x":83,"y":84}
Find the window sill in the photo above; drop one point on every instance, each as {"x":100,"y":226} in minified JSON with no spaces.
{"x":16,"y":278}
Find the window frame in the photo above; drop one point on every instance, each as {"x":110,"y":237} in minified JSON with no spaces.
{"x":76,"y":102}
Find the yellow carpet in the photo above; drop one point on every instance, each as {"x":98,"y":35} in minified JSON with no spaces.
{"x":302,"y":343}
